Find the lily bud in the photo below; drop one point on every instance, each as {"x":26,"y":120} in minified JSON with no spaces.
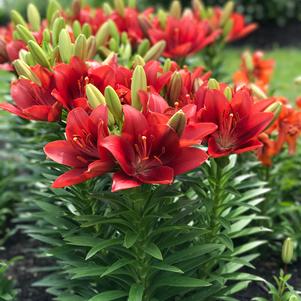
{"x":87,"y":30}
{"x":162,"y":17}
{"x":175,"y":9}
{"x":287,"y":251}
{"x":76,"y":28}
{"x":138,"y":60}
{"x":24,"y":70}
{"x":178,"y":122}
{"x":76,"y":7}
{"x":257,"y":91}
{"x":102,"y":34}
{"x":46,"y":35}
{"x":274,"y":108}
{"x":143,"y":47}
{"x":52,"y":8}
{"x":227,"y":27}
{"x":91,"y":46}
{"x":213,"y":84}
{"x":104,"y":51}
{"x":81,"y":47}
{"x":33,"y":17}
{"x":17,"y":18}
{"x":126,"y":52}
{"x":114,"y":31}
{"x":228,"y":93}
{"x":26,"y":57}
{"x":58,"y":26}
{"x":145,"y":24}
{"x":139,"y":83}
{"x":107,"y":9}
{"x":132,"y":3}
{"x":38,"y":54}
{"x":65,"y":46}
{"x":175,"y":87}
{"x":114,"y":104}
{"x":167,"y":65}
{"x":95,"y":97}
{"x":227,"y":11}
{"x":113,"y":45}
{"x":155,"y":52}
{"x":24,"y":34}
{"x":197,"y":6}
{"x":297,"y":80}
{"x":120,"y":7}
{"x":248,"y":61}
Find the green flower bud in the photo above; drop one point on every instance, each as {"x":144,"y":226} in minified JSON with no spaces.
{"x":104,"y":51}
{"x":228,"y":93}
{"x":17,"y":18}
{"x":175,"y":87}
{"x":227,"y":11}
{"x":139,"y":83}
{"x":65,"y":46}
{"x":24,"y":70}
{"x":287,"y":251}
{"x":227,"y":27}
{"x":102,"y":35}
{"x":132,"y":3}
{"x":58,"y":26}
{"x":95,"y":97}
{"x":87,"y":30}
{"x":143,"y":47}
{"x":138,"y":60}
{"x":46,"y":35}
{"x":114,"y":31}
{"x":120,"y":7}
{"x":114,"y":104}
{"x":53,"y":7}
{"x":162,"y":17}
{"x":91,"y":46}
{"x":81,"y":47}
{"x":107,"y":9}
{"x":257,"y":91}
{"x":113,"y":45}
{"x":248,"y":61}
{"x":178,"y":122}
{"x":175,"y":9}
{"x":213,"y":84}
{"x":38,"y":54}
{"x":155,"y":52}
{"x":76,"y":28}
{"x":127,"y":52}
{"x":24,"y":34}
{"x":297,"y":80}
{"x":167,"y":65}
{"x":124,"y":38}
{"x":274,"y":108}
{"x":26,"y":57}
{"x":197,"y":6}
{"x":33,"y":17}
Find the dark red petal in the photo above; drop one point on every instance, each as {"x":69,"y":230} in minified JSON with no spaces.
{"x":39,"y":112}
{"x":99,"y":167}
{"x":123,"y":181}
{"x":188,"y":159}
{"x":63,"y":152}
{"x":122,"y":151}
{"x":215,"y":151}
{"x":157,"y":175}
{"x":71,"y":177}
{"x":251,"y":145}
{"x":14,"y":110}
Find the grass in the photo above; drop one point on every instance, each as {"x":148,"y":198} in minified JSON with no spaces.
{"x":288,"y":67}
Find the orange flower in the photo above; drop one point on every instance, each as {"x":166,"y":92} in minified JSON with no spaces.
{"x":267,"y":151}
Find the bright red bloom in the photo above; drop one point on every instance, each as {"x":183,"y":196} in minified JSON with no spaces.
{"x":81,"y":149}
{"x":239,"y":28}
{"x":239,"y":122}
{"x":150,"y":152}
{"x":184,"y":36}
{"x":34,"y":101}
{"x":258,"y":72}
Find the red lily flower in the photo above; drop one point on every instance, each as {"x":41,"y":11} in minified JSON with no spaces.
{"x":81,"y":149}
{"x":239,"y":122}
{"x":149,"y":152}
{"x":259,"y":73}
{"x":267,"y":151}
{"x":184,"y":36}
{"x":34,"y":101}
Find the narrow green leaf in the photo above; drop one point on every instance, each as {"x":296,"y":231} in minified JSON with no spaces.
{"x":109,"y":296}
{"x":226,"y":240}
{"x":166,"y":267}
{"x":180,"y":281}
{"x":116,"y":266}
{"x":102,"y":245}
{"x":130,"y":239}
{"x":153,"y":250}
{"x":136,"y":292}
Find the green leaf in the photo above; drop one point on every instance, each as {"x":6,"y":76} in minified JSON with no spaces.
{"x":226,"y":240}
{"x":152,"y":250}
{"x":166,"y":267}
{"x":116,"y":266}
{"x":130,"y":239}
{"x":102,"y":245}
{"x":180,"y":281}
{"x":136,"y":292}
{"x":109,"y":296}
